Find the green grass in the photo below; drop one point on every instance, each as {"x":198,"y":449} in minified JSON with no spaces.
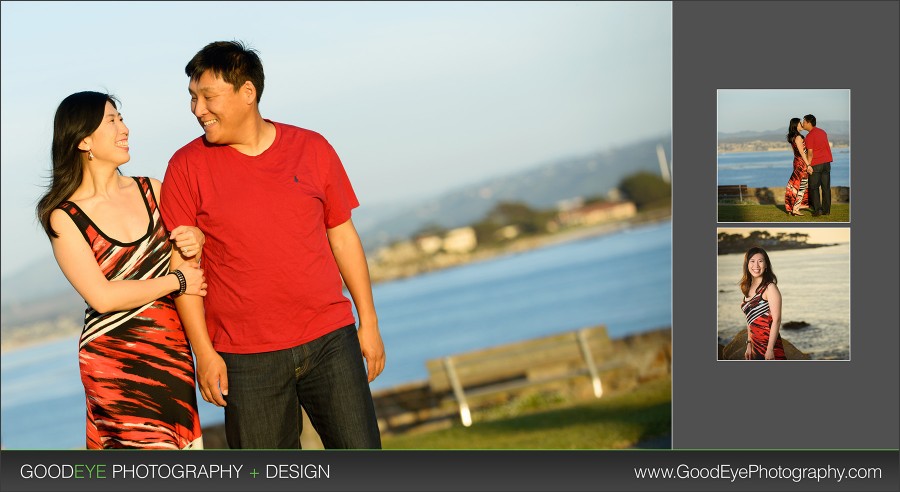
{"x":840,"y":212}
{"x":612,"y":422}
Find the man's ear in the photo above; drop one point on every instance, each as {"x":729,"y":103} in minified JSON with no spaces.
{"x":248,"y":92}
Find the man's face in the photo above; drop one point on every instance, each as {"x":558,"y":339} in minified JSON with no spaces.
{"x":220,"y":110}
{"x":806,"y":126}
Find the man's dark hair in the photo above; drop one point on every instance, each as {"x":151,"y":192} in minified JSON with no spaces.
{"x":811,"y":119}
{"x":235,"y":62}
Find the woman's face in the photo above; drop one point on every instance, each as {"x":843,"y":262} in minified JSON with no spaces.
{"x":109,"y":142}
{"x":800,"y":126}
{"x":756,"y":265}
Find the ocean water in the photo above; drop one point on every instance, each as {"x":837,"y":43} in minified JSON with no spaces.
{"x":768,"y":169}
{"x":622,"y":280}
{"x":815,"y":288}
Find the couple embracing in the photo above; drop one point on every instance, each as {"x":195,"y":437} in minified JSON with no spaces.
{"x":810,"y":183}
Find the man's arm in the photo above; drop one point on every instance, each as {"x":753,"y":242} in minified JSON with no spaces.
{"x":812,"y":140}
{"x":178,"y":207}
{"x":351,"y":261}
{"x":212,"y":375}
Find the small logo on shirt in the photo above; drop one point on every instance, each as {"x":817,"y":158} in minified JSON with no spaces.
{"x":295,"y":179}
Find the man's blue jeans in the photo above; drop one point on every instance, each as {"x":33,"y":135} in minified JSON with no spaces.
{"x":326,"y":376}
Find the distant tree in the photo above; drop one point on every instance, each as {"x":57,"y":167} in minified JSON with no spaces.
{"x":484,"y":232}
{"x":725,"y":237}
{"x":731,"y":242}
{"x":512,"y":213}
{"x":758,"y":238}
{"x":518,"y":214}
{"x":430,"y":229}
{"x":595,"y":199}
{"x":646,"y":190}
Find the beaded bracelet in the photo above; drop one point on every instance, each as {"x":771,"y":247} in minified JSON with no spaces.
{"x":182,"y":282}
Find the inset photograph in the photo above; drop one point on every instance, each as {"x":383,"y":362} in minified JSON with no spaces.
{"x":783,"y":293}
{"x":783,"y":155}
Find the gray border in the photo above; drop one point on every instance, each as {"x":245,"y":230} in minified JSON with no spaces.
{"x":787,"y":406}
{"x":469,"y":471}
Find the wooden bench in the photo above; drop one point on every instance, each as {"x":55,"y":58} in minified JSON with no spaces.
{"x":732,"y":191}
{"x":519,"y":365}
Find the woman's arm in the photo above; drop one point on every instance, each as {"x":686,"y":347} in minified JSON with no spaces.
{"x":77,"y":262}
{"x":773,"y":295}
{"x":351,"y":261}
{"x":801,"y":147}
{"x":748,"y":354}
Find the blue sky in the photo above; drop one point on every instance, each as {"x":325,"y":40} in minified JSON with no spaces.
{"x":770,"y":109}
{"x":416,"y":97}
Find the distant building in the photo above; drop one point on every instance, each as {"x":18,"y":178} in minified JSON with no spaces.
{"x":398,"y":253}
{"x":597,"y":213}
{"x":430,"y":244}
{"x":507,"y":232}
{"x":614,"y":195}
{"x":460,"y":240}
{"x":570,"y":204}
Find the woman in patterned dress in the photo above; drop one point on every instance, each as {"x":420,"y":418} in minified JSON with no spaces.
{"x":107,"y":236}
{"x":762,"y":306}
{"x":795,"y":196}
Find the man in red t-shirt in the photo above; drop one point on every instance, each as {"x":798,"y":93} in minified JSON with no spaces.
{"x":275,"y":331}
{"x":819,"y":152}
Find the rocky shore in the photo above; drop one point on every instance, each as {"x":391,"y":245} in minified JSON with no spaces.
{"x":734,"y":349}
{"x":387,"y":271}
{"x":774,"y":195}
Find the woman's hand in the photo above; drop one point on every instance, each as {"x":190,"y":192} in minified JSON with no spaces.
{"x":748,"y":354}
{"x":189,"y":240}
{"x":770,"y":353}
{"x":196,"y":281}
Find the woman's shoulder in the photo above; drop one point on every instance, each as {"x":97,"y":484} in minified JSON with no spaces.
{"x":769,"y":288}
{"x":62,"y":220}
{"x":155,"y":184}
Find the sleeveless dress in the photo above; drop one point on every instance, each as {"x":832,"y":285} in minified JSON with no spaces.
{"x":136,"y":365}
{"x":795,"y":191}
{"x":759,"y":319}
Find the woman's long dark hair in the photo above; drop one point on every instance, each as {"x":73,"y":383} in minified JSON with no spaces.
{"x":792,"y":130}
{"x":77,"y":117}
{"x":768,"y":275}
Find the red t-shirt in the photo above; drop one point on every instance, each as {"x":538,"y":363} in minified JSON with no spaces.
{"x":273,"y":282}
{"x":817,"y":140}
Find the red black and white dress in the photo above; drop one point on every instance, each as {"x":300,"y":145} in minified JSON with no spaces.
{"x":795,"y":191}
{"x":136,"y":365}
{"x":759,"y":320}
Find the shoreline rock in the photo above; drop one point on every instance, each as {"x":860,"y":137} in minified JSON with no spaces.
{"x":794,"y":325}
{"x":735,"y":349}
